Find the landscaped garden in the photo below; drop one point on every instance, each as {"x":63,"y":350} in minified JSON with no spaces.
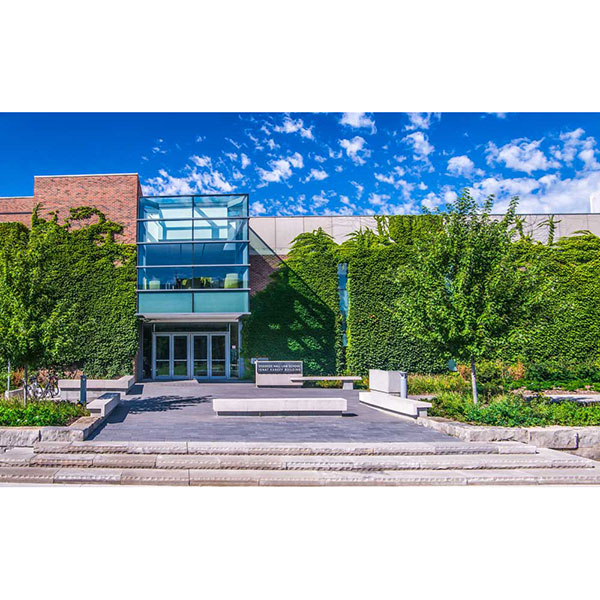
{"x":39,"y":414}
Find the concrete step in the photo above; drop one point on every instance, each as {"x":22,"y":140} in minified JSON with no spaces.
{"x":544,"y":459}
{"x":186,"y":477}
{"x":284,"y":449}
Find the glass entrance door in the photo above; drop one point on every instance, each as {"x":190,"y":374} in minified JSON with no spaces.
{"x":162,"y":354}
{"x":171,"y":356}
{"x":180,"y":356}
{"x":218,"y":355}
{"x":211,"y":355}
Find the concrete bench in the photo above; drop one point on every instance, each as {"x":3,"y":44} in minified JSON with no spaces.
{"x":69,"y":388}
{"x":347,"y":380}
{"x":279,"y":406}
{"x":104,"y":404}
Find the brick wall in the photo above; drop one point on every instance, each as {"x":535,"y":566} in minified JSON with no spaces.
{"x":261,"y":268}
{"x":115,"y":195}
{"x":16,"y":210}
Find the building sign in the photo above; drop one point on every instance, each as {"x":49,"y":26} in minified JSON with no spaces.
{"x":279,"y":367}
{"x":278,"y":373}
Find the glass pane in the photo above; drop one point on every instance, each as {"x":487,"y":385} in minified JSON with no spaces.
{"x":165,"y":254}
{"x":200,"y":368}
{"x":218,"y":368}
{"x":221,"y":302}
{"x":220,"y":254}
{"x":220,"y":277}
{"x":227,"y":206}
{"x":165,"y":278}
{"x":180,"y":368}
{"x":179,"y":207}
{"x":180,"y":347}
{"x":218,"y":347}
{"x":164,"y":302}
{"x":220,"y":229}
{"x":162,"y":347}
{"x":162,"y":368}
{"x":200,"y":347}
{"x":163,"y":231}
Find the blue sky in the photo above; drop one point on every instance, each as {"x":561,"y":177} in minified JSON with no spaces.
{"x":319,"y":163}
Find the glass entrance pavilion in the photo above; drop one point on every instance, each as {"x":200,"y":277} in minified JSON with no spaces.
{"x":192,"y":285}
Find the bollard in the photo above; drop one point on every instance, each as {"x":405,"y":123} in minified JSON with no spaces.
{"x":403,"y":384}
{"x":83,"y":390}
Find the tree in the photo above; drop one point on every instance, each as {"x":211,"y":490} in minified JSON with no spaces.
{"x":464,"y":291}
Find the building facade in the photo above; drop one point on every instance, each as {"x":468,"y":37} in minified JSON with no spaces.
{"x":199,"y":259}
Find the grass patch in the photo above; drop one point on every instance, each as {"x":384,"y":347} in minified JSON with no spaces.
{"x":511,"y":410}
{"x":39,"y":414}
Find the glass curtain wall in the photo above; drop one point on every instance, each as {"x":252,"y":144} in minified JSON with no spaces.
{"x":193,"y":254}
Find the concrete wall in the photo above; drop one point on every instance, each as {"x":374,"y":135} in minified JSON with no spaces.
{"x":278,"y":232}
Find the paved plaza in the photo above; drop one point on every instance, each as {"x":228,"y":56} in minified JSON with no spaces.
{"x":182,"y":411}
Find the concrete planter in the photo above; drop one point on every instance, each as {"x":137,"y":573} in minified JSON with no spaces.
{"x":70,"y":388}
{"x":555,"y":437}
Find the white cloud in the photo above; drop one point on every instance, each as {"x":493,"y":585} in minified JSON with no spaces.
{"x":234,"y":143}
{"x":293,"y":126}
{"x":206,"y":181}
{"x":318,"y":201}
{"x":232,"y":156}
{"x":358,"y":120}
{"x":317,"y":174}
{"x":281,"y":169}
{"x":257,"y":208}
{"x":421,"y":148}
{"x":548,"y":194}
{"x":520,"y":155}
{"x":245,"y":161}
{"x":319,"y":158}
{"x":420,"y":120}
{"x":462,"y":165}
{"x":355,"y":149}
{"x":201,"y":161}
{"x":359,"y":189}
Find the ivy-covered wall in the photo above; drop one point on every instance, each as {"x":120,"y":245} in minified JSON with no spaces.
{"x":68,"y":296}
{"x":376,"y":336}
{"x":296,"y":317}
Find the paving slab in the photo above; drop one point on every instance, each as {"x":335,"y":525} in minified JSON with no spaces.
{"x":27,"y":474}
{"x":62,"y":460}
{"x":103,"y":476}
{"x":182,"y":411}
{"x":125,"y":461}
{"x":155,"y":477}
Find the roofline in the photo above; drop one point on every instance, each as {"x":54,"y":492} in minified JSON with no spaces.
{"x":16,"y":197}
{"x":414,"y":215}
{"x":88,"y":175}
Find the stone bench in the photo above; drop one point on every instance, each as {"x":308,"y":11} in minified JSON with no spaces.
{"x":104,"y":404}
{"x":69,"y":388}
{"x":279,"y":406}
{"x":347,"y":380}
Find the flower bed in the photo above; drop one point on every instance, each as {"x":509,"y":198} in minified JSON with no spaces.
{"x":39,"y":414}
{"x":511,"y":410}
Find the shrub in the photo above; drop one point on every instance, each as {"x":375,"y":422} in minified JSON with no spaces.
{"x":39,"y":414}
{"x":511,"y":410}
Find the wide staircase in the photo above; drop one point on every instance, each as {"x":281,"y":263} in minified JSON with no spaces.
{"x":293,"y":464}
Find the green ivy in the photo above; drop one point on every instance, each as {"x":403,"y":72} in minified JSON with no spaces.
{"x":70,"y":298}
{"x":296,"y":317}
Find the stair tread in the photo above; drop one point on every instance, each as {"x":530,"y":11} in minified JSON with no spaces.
{"x":262,"y":477}
{"x":252,"y":448}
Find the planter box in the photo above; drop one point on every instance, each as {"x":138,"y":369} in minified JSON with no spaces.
{"x":556,"y":437}
{"x":70,"y":388}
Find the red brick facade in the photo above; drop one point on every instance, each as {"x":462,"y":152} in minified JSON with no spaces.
{"x":261,"y":269}
{"x":115,"y":195}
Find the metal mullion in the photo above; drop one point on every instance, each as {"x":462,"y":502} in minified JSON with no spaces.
{"x":195,"y":266}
